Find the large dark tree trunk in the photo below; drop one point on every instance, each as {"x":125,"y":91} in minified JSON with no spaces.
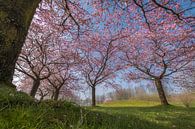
{"x":57,"y":92}
{"x":15,"y":19}
{"x":35,"y":87}
{"x":161,"y":92}
{"x":93,"y":97}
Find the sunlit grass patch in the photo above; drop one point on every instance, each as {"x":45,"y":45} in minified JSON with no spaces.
{"x":130,"y":103}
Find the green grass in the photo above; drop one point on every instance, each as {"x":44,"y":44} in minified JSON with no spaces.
{"x":130,"y":103}
{"x":19,"y":111}
{"x":150,"y":115}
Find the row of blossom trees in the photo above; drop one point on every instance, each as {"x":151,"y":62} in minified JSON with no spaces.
{"x":57,"y":58}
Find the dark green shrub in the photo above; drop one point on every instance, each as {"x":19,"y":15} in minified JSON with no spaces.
{"x":59,"y":104}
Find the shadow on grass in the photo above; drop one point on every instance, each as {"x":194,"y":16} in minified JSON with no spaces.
{"x":120,"y":121}
{"x":156,"y":117}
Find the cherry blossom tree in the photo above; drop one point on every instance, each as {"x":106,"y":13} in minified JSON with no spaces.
{"x":159,"y":54}
{"x":100,"y":64}
{"x":34,"y":59}
{"x":64,"y":79}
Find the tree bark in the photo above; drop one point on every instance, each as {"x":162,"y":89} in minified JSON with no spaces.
{"x":42,"y":97}
{"x":161,"y":92}
{"x":52,"y":96}
{"x":57,"y":92}
{"x":93,"y":97}
{"x":15,"y":19}
{"x":36,"y":84}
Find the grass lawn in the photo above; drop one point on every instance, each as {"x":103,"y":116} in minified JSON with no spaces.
{"x":19,"y":111}
{"x":137,"y":114}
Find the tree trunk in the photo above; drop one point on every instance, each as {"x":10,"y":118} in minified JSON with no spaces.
{"x":36,"y":84}
{"x":53,"y":93}
{"x":15,"y":19}
{"x":161,"y":92}
{"x":42,"y":97}
{"x":93,"y":97}
{"x":57,"y":92}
